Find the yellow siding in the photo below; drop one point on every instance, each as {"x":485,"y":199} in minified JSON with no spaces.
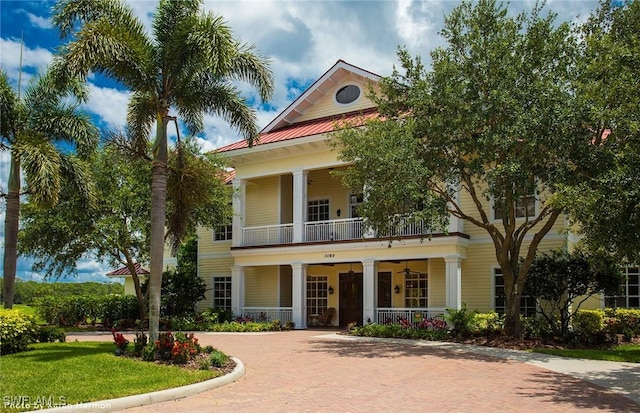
{"x":214,"y":260}
{"x":327,"y":106}
{"x":262,"y":205}
{"x":437,"y":283}
{"x":477,"y":272}
{"x":474,"y":231}
{"x":207,"y":246}
{"x":325,"y":186}
{"x":594,"y":302}
{"x":286,"y":199}
{"x":261,"y":286}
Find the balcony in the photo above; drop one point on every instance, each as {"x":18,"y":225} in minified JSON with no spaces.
{"x":325,"y":231}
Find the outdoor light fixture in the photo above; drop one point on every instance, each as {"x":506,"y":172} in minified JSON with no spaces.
{"x":330,"y":290}
{"x":338,"y":212}
{"x":397,"y":289}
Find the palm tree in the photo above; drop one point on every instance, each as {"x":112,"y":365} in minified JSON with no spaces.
{"x":47,"y":138}
{"x":187,"y":64}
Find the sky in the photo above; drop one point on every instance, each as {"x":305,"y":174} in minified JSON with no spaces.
{"x":302,"y":39}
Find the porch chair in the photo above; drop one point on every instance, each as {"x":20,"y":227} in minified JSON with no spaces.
{"x":326,"y":318}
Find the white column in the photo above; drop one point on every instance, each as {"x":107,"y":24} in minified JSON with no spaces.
{"x":237,"y":289}
{"x":453,"y":282}
{"x":455,"y":224}
{"x":299,"y":294}
{"x":239,"y":197}
{"x":299,"y":204}
{"x":368,"y":290}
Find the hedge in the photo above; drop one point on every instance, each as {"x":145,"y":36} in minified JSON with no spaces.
{"x":74,"y":310}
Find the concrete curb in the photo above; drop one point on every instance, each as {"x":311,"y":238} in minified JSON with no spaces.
{"x":122,"y":403}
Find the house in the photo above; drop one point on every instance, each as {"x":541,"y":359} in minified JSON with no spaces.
{"x":128,"y":280}
{"x":297,"y":246}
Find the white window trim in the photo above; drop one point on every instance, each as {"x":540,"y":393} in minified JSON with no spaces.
{"x":213,"y":283}
{"x":535,"y":212}
{"x":343,"y":85}
{"x":215,"y":232}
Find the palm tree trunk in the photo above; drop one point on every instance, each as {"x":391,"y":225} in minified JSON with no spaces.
{"x":11,"y":232}
{"x":142,"y":305}
{"x":158,"y":208}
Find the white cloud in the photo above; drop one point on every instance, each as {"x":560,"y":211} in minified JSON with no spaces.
{"x":41,"y":22}
{"x":33,"y":60}
{"x":109,"y":104}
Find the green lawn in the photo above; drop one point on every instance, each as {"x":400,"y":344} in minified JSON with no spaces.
{"x":77,"y":372}
{"x":628,"y":352}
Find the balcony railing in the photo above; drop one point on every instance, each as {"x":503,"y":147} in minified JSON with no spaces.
{"x":267,"y":235}
{"x":323,"y":231}
{"x":333,"y":230}
{"x":393,"y":315}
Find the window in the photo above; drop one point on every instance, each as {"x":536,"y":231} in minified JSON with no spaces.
{"x":525,"y":207}
{"x":354,"y":202}
{"x":318,"y":210}
{"x":347,"y":94}
{"x":415,"y":292}
{"x":629,"y":290}
{"x":223,"y":233}
{"x":527,"y":303}
{"x":221,"y":293}
{"x":317,"y":294}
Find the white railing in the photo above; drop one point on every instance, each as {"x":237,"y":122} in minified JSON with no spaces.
{"x":400,"y":226}
{"x":393,"y":315}
{"x":269,"y":314}
{"x":323,"y":231}
{"x":267,"y":235}
{"x":333,"y":230}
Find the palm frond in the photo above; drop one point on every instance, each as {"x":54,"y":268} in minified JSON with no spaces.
{"x":8,"y":101}
{"x":40,"y":161}
{"x":108,"y":38}
{"x":252,"y":68}
{"x":66,"y":14}
{"x":77,"y":172}
{"x":141,"y":115}
{"x":206,"y":94}
{"x":67,"y":124}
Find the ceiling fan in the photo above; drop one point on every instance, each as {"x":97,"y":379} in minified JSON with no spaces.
{"x":406,"y":270}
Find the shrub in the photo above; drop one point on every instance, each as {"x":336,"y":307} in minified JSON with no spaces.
{"x":428,"y":329}
{"x":588,"y":327}
{"x":533,"y":327}
{"x":461,"y":321}
{"x":588,"y":322}
{"x":164,"y":345}
{"x":218,"y":358}
{"x":139,"y":343}
{"x":488,"y":323}
{"x":185,"y":347}
{"x":17,"y":331}
{"x":50,"y":334}
{"x":149,"y":352}
{"x":624,"y":321}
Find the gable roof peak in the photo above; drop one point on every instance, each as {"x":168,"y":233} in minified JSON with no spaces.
{"x":331,"y":77}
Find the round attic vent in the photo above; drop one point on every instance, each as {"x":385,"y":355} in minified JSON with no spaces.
{"x":347,"y":94}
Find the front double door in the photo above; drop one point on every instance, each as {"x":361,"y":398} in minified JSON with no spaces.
{"x":350,"y":298}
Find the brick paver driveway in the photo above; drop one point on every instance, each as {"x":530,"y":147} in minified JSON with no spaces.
{"x":309,"y":371}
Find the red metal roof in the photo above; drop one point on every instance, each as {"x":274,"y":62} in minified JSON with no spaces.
{"x":302,"y":129}
{"x":121,"y":272}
